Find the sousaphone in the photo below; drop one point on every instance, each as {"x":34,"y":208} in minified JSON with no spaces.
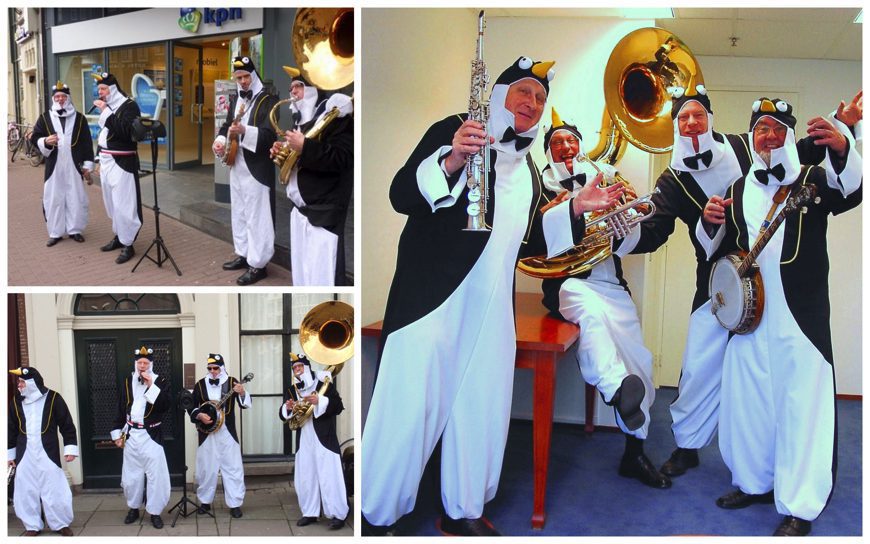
{"x":326,"y":335}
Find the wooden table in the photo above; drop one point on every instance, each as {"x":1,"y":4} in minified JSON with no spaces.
{"x":541,"y":339}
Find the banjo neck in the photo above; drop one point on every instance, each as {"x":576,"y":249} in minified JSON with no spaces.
{"x":229,"y":394}
{"x":749,"y":260}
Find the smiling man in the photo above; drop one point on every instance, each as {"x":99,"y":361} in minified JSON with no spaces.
{"x":446,"y":366}
{"x":777,"y":425}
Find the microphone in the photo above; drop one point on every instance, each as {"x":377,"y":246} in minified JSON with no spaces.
{"x":90,"y":111}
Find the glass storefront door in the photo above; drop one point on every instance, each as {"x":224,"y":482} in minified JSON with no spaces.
{"x":187,"y":106}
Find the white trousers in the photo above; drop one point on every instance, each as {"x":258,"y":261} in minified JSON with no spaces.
{"x":253,"y":230}
{"x":65,"y":201}
{"x":695,"y":411}
{"x":313,"y":252}
{"x":39,"y":480}
{"x":318,"y":478}
{"x":611,"y":340}
{"x":219,"y":452}
{"x":144,"y":459}
{"x":119,"y":197}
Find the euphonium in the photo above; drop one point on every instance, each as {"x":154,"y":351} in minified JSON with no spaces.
{"x":638,"y":110}
{"x":326,"y":337}
{"x":477,"y":165}
{"x":281,"y":156}
{"x":287,"y":158}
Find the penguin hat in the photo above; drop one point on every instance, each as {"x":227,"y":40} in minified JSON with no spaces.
{"x":302,"y":369}
{"x":775,"y":108}
{"x":214,"y":359}
{"x":680,"y":96}
{"x":109,"y":80}
{"x":560,"y":126}
{"x":32,"y":378}
{"x":60,"y":87}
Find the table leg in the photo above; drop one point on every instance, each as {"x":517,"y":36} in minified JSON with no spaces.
{"x":542,"y":426}
{"x":590,"y":393}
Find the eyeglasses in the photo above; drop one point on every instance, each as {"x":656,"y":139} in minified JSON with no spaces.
{"x":764,"y":130}
{"x":213,"y":367}
{"x":567,"y":142}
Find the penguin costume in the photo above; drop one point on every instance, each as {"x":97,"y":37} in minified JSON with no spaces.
{"x":219,"y":451}
{"x":119,"y":166}
{"x":64,"y":200}
{"x":35,"y":417}
{"x":141,"y":409}
{"x":777,"y":423}
{"x":449,"y":340}
{"x":611,"y":354}
{"x":320,"y":187}
{"x":685,"y":187}
{"x":317,"y":474}
{"x":252,"y":177}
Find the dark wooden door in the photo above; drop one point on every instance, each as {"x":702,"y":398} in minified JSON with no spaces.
{"x":103,"y":359}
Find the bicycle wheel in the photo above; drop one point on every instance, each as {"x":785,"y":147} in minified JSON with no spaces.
{"x":13,"y":138}
{"x":15,"y":151}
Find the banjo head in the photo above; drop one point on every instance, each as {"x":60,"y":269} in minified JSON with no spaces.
{"x":726,"y":293}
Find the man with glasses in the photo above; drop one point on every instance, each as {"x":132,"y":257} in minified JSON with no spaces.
{"x":219,"y":451}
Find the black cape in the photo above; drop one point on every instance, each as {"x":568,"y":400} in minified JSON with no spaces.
{"x":324,"y":426}
{"x":55,"y":416}
{"x":153,"y":412}
{"x":200,"y":395}
{"x":259,"y":164}
{"x":82,"y":145}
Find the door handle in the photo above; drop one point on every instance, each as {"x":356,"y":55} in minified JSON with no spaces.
{"x":199,"y":111}
{"x":192,"y":106}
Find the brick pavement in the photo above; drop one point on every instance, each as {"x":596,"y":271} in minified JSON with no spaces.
{"x":31,"y":263}
{"x":271,"y":510}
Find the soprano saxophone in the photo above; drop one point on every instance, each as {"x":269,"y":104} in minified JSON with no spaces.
{"x":477,"y":165}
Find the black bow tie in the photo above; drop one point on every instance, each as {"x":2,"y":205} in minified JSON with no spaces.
{"x":214,"y":382}
{"x":777,"y":171}
{"x":246,"y":94}
{"x":141,"y":380}
{"x":520,"y":141}
{"x":297,"y":116}
{"x":692,"y":162}
{"x":60,"y":111}
{"x":568,"y":183}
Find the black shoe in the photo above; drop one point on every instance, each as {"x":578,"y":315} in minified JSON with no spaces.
{"x":32,"y":533}
{"x":52,"y":241}
{"x":640,"y":468}
{"x":466,"y":527}
{"x":377,"y":530}
{"x":65,"y":531}
{"x":738,"y":499}
{"x":306,"y":520}
{"x":236,"y":264}
{"x":203,"y":509}
{"x":627,"y":400}
{"x":681,"y":460}
{"x":336,"y":524}
{"x":236,"y":512}
{"x":125,"y":255}
{"x":132,"y":515}
{"x":113,"y":244}
{"x":792,"y":526}
{"x":78,"y":237}
{"x":156,"y":521}
{"x":253,"y":275}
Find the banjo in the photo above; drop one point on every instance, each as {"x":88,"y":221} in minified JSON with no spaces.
{"x":214,"y":409}
{"x":736,"y":288}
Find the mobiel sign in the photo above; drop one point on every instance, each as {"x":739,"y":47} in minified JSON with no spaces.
{"x":191,"y":18}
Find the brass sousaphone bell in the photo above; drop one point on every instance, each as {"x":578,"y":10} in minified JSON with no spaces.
{"x":641,"y":67}
{"x":326,"y":336}
{"x":322,"y":40}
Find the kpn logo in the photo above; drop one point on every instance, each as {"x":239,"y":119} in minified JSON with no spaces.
{"x":191,"y":18}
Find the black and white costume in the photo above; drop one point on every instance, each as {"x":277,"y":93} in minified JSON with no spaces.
{"x":140,"y":414}
{"x":455,"y":337}
{"x":690,"y":180}
{"x":219,"y":451}
{"x":777,"y":428}
{"x":320,"y":187}
{"x":317,"y":475}
{"x":119,"y":162}
{"x":611,"y":347}
{"x":252,"y":177}
{"x":35,"y":417}
{"x":64,"y":200}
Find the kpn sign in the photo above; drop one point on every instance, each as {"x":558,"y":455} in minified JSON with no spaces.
{"x":191,"y":18}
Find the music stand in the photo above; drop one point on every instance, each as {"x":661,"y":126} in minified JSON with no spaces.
{"x":152,"y":129}
{"x":185,"y":402}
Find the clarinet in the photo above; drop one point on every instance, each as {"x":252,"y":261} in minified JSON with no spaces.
{"x":477,"y":165}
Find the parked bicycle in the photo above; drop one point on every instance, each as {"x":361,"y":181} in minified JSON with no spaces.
{"x":24,"y":147}
{"x":13,"y":134}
